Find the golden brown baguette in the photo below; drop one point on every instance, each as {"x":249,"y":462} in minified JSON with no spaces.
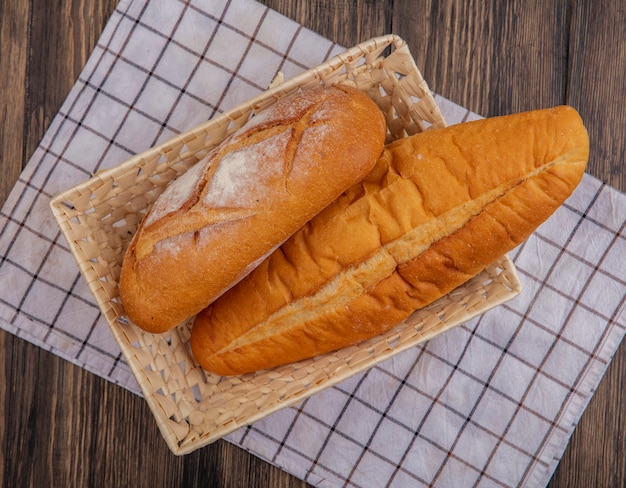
{"x":437,"y":208}
{"x":212,"y":225}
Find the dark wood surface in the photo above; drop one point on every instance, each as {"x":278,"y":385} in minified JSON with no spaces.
{"x":70,"y":428}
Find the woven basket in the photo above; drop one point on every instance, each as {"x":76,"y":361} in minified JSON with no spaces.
{"x":194,"y":408}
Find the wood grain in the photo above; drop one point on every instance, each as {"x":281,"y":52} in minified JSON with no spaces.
{"x":492,"y":57}
{"x":595,"y":83}
{"x":14,"y":34}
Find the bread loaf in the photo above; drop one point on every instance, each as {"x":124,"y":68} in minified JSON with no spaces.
{"x":437,"y":208}
{"x":212,"y":225}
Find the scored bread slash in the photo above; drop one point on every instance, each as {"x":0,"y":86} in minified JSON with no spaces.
{"x":437,"y":208}
{"x":209,"y":228}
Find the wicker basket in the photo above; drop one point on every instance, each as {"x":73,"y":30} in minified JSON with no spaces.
{"x":194,"y":408}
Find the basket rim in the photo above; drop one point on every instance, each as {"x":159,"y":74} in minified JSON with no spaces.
{"x":63,"y":213}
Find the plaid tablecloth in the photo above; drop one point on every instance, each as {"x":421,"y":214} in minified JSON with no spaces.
{"x":490,"y":403}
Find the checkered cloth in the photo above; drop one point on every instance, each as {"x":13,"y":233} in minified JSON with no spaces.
{"x":492,"y":402}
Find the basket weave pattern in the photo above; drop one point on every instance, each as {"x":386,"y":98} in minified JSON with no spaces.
{"x":99,"y":216}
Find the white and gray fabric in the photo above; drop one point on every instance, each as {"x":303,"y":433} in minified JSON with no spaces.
{"x":492,"y":402}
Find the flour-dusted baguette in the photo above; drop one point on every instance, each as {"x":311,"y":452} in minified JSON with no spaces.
{"x":213,"y":224}
{"x":437,"y":208}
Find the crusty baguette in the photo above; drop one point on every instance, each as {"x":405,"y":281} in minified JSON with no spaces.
{"x":437,"y":209}
{"x":212,"y":225}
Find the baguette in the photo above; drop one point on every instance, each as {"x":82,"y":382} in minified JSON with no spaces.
{"x":437,"y":208}
{"x":213,"y":224}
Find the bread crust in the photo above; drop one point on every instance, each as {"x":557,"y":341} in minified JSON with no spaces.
{"x":437,"y":209}
{"x":216,"y":222}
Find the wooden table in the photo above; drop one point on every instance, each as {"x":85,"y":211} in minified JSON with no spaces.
{"x":75,"y":429}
